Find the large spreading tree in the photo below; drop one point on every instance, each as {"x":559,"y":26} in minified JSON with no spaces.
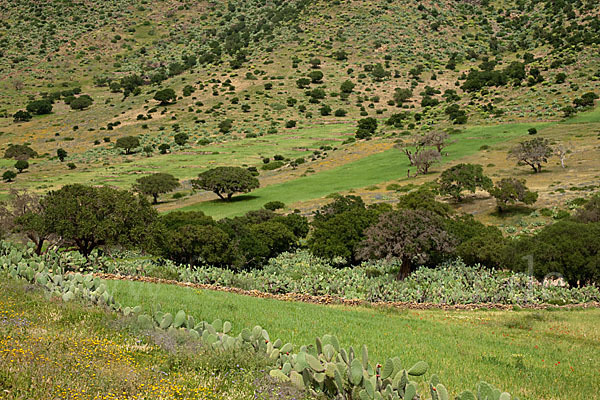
{"x":90,"y":217}
{"x":226,"y":181}
{"x":511,"y":190}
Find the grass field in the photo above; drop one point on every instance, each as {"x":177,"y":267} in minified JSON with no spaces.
{"x":370,"y":170}
{"x":531,"y":354}
{"x":55,"y":350}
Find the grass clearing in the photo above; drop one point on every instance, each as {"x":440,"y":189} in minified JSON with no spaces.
{"x":531,"y":354}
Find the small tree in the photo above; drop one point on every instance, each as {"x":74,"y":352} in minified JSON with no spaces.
{"x":409,"y":236}
{"x":562,"y":151}
{"x":127,"y":143}
{"x":81,"y":102}
{"x":22,"y":116}
{"x":532,"y":152}
{"x":347,"y":86}
{"x":155,"y":184}
{"x":424,"y":159}
{"x":401,"y":96}
{"x":303,"y":83}
{"x":458,"y":178}
{"x":226,"y":181}
{"x":40,"y":107}
{"x":225,"y":125}
{"x":9,"y":176}
{"x":21,"y":165}
{"x":439,"y":140}
{"x":181,"y":138}
{"x":511,"y":190}
{"x":148,"y":150}
{"x":366,"y":128}
{"x":164,"y":148}
{"x":61,"y":154}
{"x":379,"y":73}
{"x":316,"y":76}
{"x":315,"y":63}
{"x":165,"y":96}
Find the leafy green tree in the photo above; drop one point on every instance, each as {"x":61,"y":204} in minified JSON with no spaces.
{"x":81,"y":102}
{"x":61,"y":154}
{"x":347,"y":86}
{"x":423,"y":199}
{"x":532,"y":152}
{"x":90,"y":217}
{"x":127,"y":143}
{"x":164,"y":148}
{"x":401,"y":96}
{"x":22,"y":116}
{"x":181,"y":138}
{"x":325,"y":110}
{"x":20,"y":152}
{"x":477,"y":243}
{"x":338,"y":227}
{"x":315,"y":63}
{"x":567,"y":249}
{"x":21,"y":165}
{"x":379,"y":73}
{"x":155,"y":184}
{"x":226,"y":181}
{"x":316,"y":76}
{"x":165,"y":96}
{"x":366,"y":127}
{"x":461,"y":177}
{"x":590,"y":212}
{"x":303,"y":83}
{"x":39,"y":107}
{"x":9,"y":176}
{"x":511,"y":190}
{"x":225,"y":126}
{"x":411,"y":237}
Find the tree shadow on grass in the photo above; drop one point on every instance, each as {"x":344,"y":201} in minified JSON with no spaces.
{"x":513,"y":211}
{"x":235,"y":199}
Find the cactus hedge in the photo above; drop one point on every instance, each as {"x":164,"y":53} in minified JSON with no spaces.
{"x":323,"y":368}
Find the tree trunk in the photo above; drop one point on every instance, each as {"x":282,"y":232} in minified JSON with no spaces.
{"x":220,"y":195}
{"x":405,"y":269}
{"x":155,"y":198}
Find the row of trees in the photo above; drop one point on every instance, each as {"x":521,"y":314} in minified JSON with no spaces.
{"x":418,"y":231}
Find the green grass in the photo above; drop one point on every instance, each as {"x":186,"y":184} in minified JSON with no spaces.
{"x":370,"y":170}
{"x":559,"y":349}
{"x":55,"y":350}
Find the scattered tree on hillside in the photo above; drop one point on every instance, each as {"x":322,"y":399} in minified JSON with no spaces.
{"x":9,"y":176}
{"x":347,"y":86}
{"x":155,"y":184}
{"x":409,"y":236}
{"x":511,"y":190}
{"x":401,"y":96}
{"x":21,"y":165}
{"x":458,"y":178}
{"x":225,"y":125}
{"x":39,"y":107}
{"x":316,"y":76}
{"x":22,"y":116}
{"x":562,"y":151}
{"x":532,"y":152}
{"x":439,"y":140}
{"x":127,"y":143}
{"x":226,"y":181}
{"x":61,"y":154}
{"x":81,"y":102}
{"x":424,"y":159}
{"x":165,"y":96}
{"x":20,"y":152}
{"x":366,"y":128}
{"x":181,"y":138}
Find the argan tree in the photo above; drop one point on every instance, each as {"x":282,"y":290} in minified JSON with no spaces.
{"x":510,"y":191}
{"x":226,"y":181}
{"x":409,"y":236}
{"x":127,"y":143}
{"x":155,"y":184}
{"x":532,"y":152}
{"x":90,"y":217}
{"x":461,"y":177}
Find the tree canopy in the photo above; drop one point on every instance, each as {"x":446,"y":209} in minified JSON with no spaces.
{"x":155,"y":184}
{"x":127,"y":143}
{"x":461,"y":177}
{"x":226,"y":181}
